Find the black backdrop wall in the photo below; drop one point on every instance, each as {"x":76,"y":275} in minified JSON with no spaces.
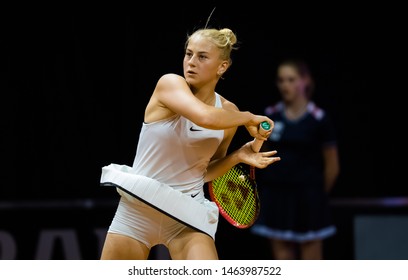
{"x":76,"y":86}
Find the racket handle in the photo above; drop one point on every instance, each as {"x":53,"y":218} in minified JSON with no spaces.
{"x":257,"y":144}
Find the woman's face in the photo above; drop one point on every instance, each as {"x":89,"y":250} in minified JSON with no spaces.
{"x":290,"y":83}
{"x":202,"y":62}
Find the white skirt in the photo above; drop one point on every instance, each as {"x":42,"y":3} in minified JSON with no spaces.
{"x":202,"y":216}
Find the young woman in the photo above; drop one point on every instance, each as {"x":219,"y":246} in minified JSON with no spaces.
{"x":294,"y":193}
{"x":183,"y":144}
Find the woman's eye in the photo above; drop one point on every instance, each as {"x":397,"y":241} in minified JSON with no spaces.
{"x":282,"y":80}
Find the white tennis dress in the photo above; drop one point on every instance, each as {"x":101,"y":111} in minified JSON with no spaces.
{"x":168,"y":173}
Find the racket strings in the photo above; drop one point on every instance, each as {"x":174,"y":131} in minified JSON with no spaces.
{"x":235,"y":194}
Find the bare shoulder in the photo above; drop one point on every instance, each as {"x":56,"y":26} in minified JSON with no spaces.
{"x":226,"y":104}
{"x":170,"y":79}
{"x":161,"y":98}
{"x":169,"y":84}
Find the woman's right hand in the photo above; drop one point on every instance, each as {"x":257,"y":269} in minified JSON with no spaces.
{"x":253,"y":127}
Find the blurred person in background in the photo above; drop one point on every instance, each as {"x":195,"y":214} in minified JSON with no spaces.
{"x":295,"y":214}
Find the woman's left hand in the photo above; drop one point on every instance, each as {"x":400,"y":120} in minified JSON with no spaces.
{"x":258,"y":160}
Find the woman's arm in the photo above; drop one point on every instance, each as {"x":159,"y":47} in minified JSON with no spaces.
{"x":172,"y":95}
{"x":331,"y":166}
{"x":245,"y":154}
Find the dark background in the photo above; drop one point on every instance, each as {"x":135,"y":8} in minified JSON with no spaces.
{"x":76,"y":85}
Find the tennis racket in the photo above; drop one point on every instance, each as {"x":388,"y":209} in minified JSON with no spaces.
{"x":236,"y":193}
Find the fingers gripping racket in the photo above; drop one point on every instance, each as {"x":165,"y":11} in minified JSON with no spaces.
{"x":235,"y":192}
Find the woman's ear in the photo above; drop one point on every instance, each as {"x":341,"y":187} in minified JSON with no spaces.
{"x":223,"y":67}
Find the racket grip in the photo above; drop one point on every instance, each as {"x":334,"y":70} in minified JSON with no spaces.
{"x":257,"y":144}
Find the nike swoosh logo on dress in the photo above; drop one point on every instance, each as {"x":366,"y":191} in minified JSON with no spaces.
{"x":194,"y":129}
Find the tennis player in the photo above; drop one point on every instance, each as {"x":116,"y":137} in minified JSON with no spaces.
{"x":183,"y":144}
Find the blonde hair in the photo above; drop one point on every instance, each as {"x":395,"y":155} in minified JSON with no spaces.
{"x":225,"y":39}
